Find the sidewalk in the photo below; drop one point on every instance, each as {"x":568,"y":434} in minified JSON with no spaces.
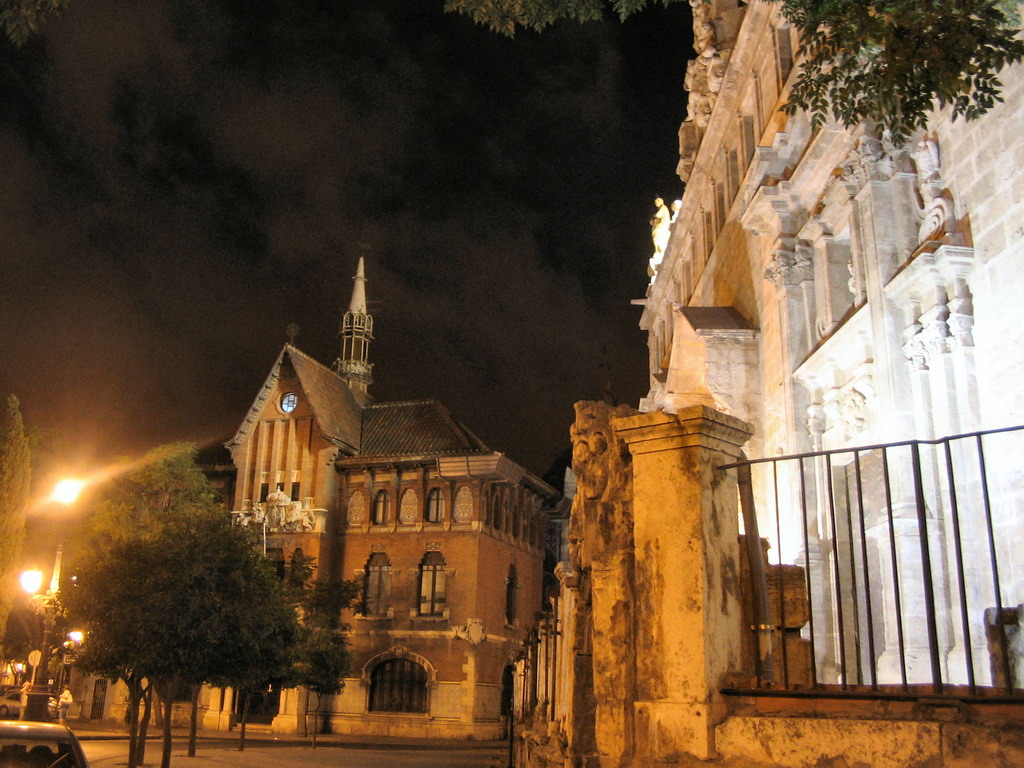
{"x":89,"y":730}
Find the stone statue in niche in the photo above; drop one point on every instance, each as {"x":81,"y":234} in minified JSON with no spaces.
{"x":661,"y":224}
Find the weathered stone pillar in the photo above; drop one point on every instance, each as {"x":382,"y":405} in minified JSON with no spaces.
{"x":688,"y":613}
{"x":601,"y":548}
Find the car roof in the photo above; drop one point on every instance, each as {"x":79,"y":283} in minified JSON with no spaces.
{"x":32,"y":730}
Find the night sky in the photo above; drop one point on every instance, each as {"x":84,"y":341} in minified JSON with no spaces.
{"x":180,"y":180}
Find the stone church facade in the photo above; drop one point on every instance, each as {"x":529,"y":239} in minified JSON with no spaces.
{"x":444,"y":535}
{"x":835,"y":289}
{"x":833,"y":313}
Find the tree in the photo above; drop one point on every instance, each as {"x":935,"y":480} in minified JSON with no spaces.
{"x":15,"y":477}
{"x":887,"y":61}
{"x":22,"y":18}
{"x":172,"y":594}
{"x":322,"y":657}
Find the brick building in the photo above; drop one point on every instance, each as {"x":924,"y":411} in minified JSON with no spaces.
{"x":444,"y":534}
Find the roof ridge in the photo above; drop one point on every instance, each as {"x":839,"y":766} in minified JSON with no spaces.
{"x":422,"y":401}
{"x":293,"y":349}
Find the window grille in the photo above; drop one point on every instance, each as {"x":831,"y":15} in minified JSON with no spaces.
{"x":398,"y":685}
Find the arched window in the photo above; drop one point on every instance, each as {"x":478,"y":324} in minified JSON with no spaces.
{"x":377,"y":586}
{"x":381,"y":504}
{"x":435,"y":506}
{"x":511,"y":590}
{"x":432,"y":584}
{"x":398,"y":685}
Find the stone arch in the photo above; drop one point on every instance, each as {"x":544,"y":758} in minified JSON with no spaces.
{"x":397,"y":652}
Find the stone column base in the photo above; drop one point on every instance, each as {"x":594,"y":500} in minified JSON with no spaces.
{"x":667,"y":730}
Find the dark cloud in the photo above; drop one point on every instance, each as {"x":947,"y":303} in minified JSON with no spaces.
{"x":181,"y":180}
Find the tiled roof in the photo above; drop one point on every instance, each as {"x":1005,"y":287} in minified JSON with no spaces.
{"x":414,"y":428}
{"x":336,"y":409}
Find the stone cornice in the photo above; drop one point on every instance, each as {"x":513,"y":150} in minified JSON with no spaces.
{"x":691,"y":426}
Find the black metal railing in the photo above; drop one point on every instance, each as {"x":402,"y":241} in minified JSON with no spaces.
{"x":891,"y":569}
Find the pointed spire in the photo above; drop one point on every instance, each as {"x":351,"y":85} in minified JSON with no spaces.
{"x":358,"y":303}
{"x":356,"y":334}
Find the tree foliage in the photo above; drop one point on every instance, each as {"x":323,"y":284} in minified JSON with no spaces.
{"x":171,"y":593}
{"x":15,"y":476}
{"x":322,"y":658}
{"x":506,"y":16}
{"x":22,"y":18}
{"x":890,"y":60}
{"x":887,"y":61}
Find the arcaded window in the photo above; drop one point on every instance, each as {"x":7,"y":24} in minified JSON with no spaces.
{"x":377,"y":586}
{"x":398,"y":685}
{"x":435,"y":506}
{"x":511,"y":595}
{"x":381,"y":504}
{"x":432,"y":585}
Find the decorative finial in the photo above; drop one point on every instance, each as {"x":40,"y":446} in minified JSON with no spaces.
{"x":292,"y":330}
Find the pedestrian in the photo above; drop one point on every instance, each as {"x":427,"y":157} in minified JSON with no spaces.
{"x":25,"y":688}
{"x":63,"y":705}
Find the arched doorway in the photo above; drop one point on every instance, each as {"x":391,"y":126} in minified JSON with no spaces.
{"x":508,"y":684}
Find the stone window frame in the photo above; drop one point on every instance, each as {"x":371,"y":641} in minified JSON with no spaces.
{"x":433,"y":506}
{"x":432,"y":595}
{"x":380,"y":508}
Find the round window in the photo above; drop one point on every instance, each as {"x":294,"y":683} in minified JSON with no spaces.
{"x":288,"y":402}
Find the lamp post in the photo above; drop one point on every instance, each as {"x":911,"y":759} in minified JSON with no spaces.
{"x":36,"y":707}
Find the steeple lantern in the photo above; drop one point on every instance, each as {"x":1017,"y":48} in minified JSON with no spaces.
{"x":356,"y":334}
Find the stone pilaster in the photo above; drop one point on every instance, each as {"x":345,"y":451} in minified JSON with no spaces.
{"x":688,"y":615}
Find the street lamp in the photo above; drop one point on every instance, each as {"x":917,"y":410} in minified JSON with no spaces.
{"x":66,"y":492}
{"x":31,"y":581}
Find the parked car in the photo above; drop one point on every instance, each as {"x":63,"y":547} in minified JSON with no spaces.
{"x":10,"y":705}
{"x":27,"y":745}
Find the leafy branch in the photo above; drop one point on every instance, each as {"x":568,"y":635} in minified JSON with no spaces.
{"x":887,"y":61}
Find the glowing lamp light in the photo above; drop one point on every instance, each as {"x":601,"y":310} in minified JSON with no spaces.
{"x":76,"y":636}
{"x":32,"y":581}
{"x":67,"y":491}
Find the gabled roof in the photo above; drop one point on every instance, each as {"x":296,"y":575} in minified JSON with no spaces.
{"x":414,"y":428}
{"x":335,"y":409}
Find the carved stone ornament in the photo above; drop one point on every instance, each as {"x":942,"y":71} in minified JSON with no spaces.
{"x":816,"y":423}
{"x":720,"y":376}
{"x":853,"y":411}
{"x":871,"y":159}
{"x":462,"y":511}
{"x":409,"y":508}
{"x":602,"y":510}
{"x":356,"y":508}
{"x":277,"y":517}
{"x":703,"y":81}
{"x":473,"y":632}
{"x":790,"y":267}
{"x":936,"y":206}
